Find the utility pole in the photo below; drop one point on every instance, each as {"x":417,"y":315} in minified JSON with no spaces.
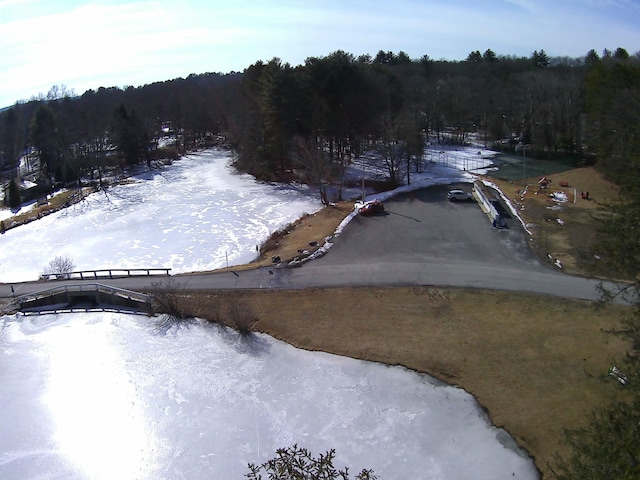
{"x":524,"y":162}
{"x":362,"y":160}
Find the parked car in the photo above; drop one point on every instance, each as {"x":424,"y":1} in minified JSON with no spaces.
{"x":459,"y":195}
{"x":373,"y":207}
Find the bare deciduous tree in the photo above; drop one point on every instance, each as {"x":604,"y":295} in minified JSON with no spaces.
{"x":213,"y":312}
{"x":60,"y":267}
{"x":168,"y":299}
{"x":241,"y":315}
{"x":318,"y":169}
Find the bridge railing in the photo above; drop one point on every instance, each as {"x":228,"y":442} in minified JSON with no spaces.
{"x":105,"y":273}
{"x":88,"y":287}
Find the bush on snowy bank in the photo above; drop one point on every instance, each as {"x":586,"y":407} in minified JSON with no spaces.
{"x":176,"y":308}
{"x":298,"y":463}
{"x":59,"y":267}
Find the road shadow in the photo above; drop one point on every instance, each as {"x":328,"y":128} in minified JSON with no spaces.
{"x":389,"y":212}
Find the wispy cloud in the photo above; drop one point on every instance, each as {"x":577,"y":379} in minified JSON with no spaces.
{"x":87,"y":44}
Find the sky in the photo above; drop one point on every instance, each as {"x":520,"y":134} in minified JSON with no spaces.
{"x":80,"y":390}
{"x":104,"y":43}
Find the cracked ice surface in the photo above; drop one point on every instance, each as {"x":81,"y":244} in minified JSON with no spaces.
{"x":104,"y":396}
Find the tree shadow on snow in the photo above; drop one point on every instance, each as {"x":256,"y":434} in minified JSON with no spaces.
{"x":165,"y":324}
{"x":249,"y":343}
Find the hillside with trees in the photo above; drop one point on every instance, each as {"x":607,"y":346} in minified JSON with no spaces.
{"x":314,"y":119}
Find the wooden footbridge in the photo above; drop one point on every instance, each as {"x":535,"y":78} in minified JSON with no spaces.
{"x":85,"y":297}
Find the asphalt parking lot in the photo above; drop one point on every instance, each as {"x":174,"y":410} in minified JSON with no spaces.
{"x":424,"y":227}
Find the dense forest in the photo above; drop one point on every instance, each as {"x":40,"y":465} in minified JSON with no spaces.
{"x":309,"y":121}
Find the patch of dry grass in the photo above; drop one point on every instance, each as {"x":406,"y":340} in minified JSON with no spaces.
{"x":565,"y":230}
{"x":58,"y":201}
{"x":287,"y":242}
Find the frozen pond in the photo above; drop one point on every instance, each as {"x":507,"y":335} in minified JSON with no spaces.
{"x":195,"y":215}
{"x":105,"y":396}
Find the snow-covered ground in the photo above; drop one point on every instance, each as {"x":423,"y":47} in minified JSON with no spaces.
{"x":104,"y":396}
{"x":192,"y":216}
{"x":101,"y":395}
{"x":195,"y":215}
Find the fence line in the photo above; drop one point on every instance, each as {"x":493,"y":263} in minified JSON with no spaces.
{"x":106,"y":273}
{"x":450,"y":159}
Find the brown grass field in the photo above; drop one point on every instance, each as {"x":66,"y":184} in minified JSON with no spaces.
{"x":537,"y":364}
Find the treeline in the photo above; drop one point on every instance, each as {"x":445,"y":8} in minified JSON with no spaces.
{"x":336,"y":106}
{"x":316,"y":117}
{"x":74,"y":137}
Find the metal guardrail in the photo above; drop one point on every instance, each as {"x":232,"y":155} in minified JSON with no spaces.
{"x":105,"y":273}
{"x":58,"y":310}
{"x":485,"y":201}
{"x":90,"y":287}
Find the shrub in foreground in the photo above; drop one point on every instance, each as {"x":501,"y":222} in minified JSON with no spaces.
{"x":296,"y":463}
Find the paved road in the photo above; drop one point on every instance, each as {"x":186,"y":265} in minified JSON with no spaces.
{"x":423,"y":239}
{"x":424,"y":228}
